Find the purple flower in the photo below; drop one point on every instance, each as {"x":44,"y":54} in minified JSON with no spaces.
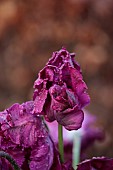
{"x":24,"y":136}
{"x":60,"y":92}
{"x":99,"y":163}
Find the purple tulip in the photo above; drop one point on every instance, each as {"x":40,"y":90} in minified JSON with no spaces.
{"x":60,"y":92}
{"x":99,"y":163}
{"x":24,"y":136}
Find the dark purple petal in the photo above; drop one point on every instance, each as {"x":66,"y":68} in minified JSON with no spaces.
{"x":56,"y":161}
{"x":57,"y":165}
{"x":75,"y":63}
{"x":49,"y":110}
{"x":58,"y":58}
{"x":48,"y":72}
{"x":67,"y":166}
{"x":40,"y":101}
{"x":99,"y":163}
{"x":83,"y":97}
{"x":58,"y":98}
{"x":42,"y":156}
{"x":71,"y":119}
{"x":38,"y":84}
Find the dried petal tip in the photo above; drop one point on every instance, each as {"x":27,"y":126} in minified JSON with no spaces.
{"x":60,"y":92}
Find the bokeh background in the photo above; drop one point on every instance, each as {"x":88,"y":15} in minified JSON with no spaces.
{"x":30,"y":30}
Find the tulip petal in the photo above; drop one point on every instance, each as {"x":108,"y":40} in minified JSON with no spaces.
{"x":71,"y":119}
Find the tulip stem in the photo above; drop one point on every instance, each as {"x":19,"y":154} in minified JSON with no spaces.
{"x":76,"y":149}
{"x":10,"y":159}
{"x":60,"y":143}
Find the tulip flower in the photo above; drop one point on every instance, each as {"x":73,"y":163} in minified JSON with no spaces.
{"x":24,"y":137}
{"x":60,"y":92}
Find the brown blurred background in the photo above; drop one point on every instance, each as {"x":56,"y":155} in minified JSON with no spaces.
{"x":30,"y":30}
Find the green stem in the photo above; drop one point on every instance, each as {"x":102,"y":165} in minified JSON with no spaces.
{"x":10,"y":159}
{"x":60,"y":142}
{"x":76,"y":150}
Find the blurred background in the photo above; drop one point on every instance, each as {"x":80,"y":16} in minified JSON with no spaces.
{"x":30,"y":30}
